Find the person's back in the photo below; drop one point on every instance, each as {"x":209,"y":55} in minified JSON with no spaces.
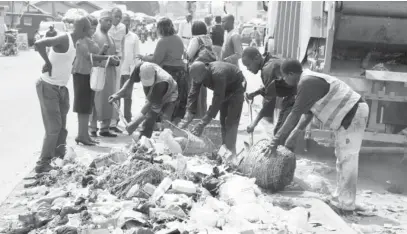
{"x":171,"y":49}
{"x":217,"y":35}
{"x":163,"y":76}
{"x":230,"y":72}
{"x":232,"y":47}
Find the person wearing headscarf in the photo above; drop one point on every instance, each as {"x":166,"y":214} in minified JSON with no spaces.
{"x":103,"y":111}
{"x":161,"y":97}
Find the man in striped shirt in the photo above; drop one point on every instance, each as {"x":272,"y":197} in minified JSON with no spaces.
{"x":340,"y":109}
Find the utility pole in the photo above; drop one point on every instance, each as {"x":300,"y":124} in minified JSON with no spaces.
{"x":53,"y":8}
{"x":12,"y":15}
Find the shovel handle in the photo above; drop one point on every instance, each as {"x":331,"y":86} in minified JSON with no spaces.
{"x":251,"y":120}
{"x":121,"y":116}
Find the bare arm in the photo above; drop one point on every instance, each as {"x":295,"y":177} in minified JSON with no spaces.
{"x":304,"y":121}
{"x":193,"y":48}
{"x":128,"y":85}
{"x":42,"y":44}
{"x":237,"y":46}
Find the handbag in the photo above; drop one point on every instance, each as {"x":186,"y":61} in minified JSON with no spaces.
{"x":204,"y":53}
{"x":98,"y":76}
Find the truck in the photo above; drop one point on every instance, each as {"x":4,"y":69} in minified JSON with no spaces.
{"x":362,"y":43}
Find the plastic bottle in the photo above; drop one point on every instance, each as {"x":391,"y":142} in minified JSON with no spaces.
{"x":161,"y":189}
{"x":170,"y":142}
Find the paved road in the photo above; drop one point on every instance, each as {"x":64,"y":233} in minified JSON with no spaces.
{"x":21,"y":127}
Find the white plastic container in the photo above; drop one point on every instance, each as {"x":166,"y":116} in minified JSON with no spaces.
{"x":170,"y":142}
{"x":184,"y":186}
{"x":161,"y":189}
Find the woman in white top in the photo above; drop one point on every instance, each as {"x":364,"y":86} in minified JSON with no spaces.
{"x":200,"y":38}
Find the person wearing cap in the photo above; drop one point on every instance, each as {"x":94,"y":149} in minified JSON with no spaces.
{"x":161,"y":97}
{"x":228,"y":85}
{"x":102,"y":110}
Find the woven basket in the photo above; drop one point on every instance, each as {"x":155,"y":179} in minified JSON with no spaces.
{"x":198,"y":145}
{"x":272,"y":173}
{"x":211,"y":131}
{"x":195,"y":145}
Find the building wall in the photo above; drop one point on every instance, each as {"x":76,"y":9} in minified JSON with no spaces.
{"x":245,"y":11}
{"x":173,"y":9}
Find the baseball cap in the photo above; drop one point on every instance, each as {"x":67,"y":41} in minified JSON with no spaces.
{"x":147,"y":74}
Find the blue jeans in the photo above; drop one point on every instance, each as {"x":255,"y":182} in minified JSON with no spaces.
{"x":54,"y":102}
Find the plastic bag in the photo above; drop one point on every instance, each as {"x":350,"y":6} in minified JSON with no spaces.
{"x":98,"y":76}
{"x":238,"y":190}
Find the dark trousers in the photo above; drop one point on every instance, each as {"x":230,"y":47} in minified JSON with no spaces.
{"x":127,"y":101}
{"x":166,"y":113}
{"x":230,"y":113}
{"x":54,"y":102}
{"x":179,"y":74}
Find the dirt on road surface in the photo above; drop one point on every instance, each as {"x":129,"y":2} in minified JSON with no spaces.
{"x":21,"y":131}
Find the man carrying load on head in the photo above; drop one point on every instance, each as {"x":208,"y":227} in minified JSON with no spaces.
{"x":339,"y":108}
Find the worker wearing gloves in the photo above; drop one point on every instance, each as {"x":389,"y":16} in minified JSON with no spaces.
{"x":274,"y":86}
{"x":161,"y":95}
{"x":339,"y":108}
{"x":228,"y":85}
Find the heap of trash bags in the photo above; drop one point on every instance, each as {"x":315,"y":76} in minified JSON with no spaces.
{"x":146,"y":188}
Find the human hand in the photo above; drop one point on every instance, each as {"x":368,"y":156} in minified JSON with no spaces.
{"x":271,"y":149}
{"x":198,"y":129}
{"x":250,"y":128}
{"x":139,"y":56}
{"x":250,"y":96}
{"x":47,"y":68}
{"x":113,"y":98}
{"x":105,"y":48}
{"x":186,"y":120}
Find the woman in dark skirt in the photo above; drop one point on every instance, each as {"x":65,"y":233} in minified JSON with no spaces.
{"x":86,"y":52}
{"x":168,"y":54}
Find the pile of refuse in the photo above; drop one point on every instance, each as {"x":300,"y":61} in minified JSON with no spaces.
{"x":148,"y":189}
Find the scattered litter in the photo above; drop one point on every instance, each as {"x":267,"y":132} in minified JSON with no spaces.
{"x":143,"y":190}
{"x":183,"y":186}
